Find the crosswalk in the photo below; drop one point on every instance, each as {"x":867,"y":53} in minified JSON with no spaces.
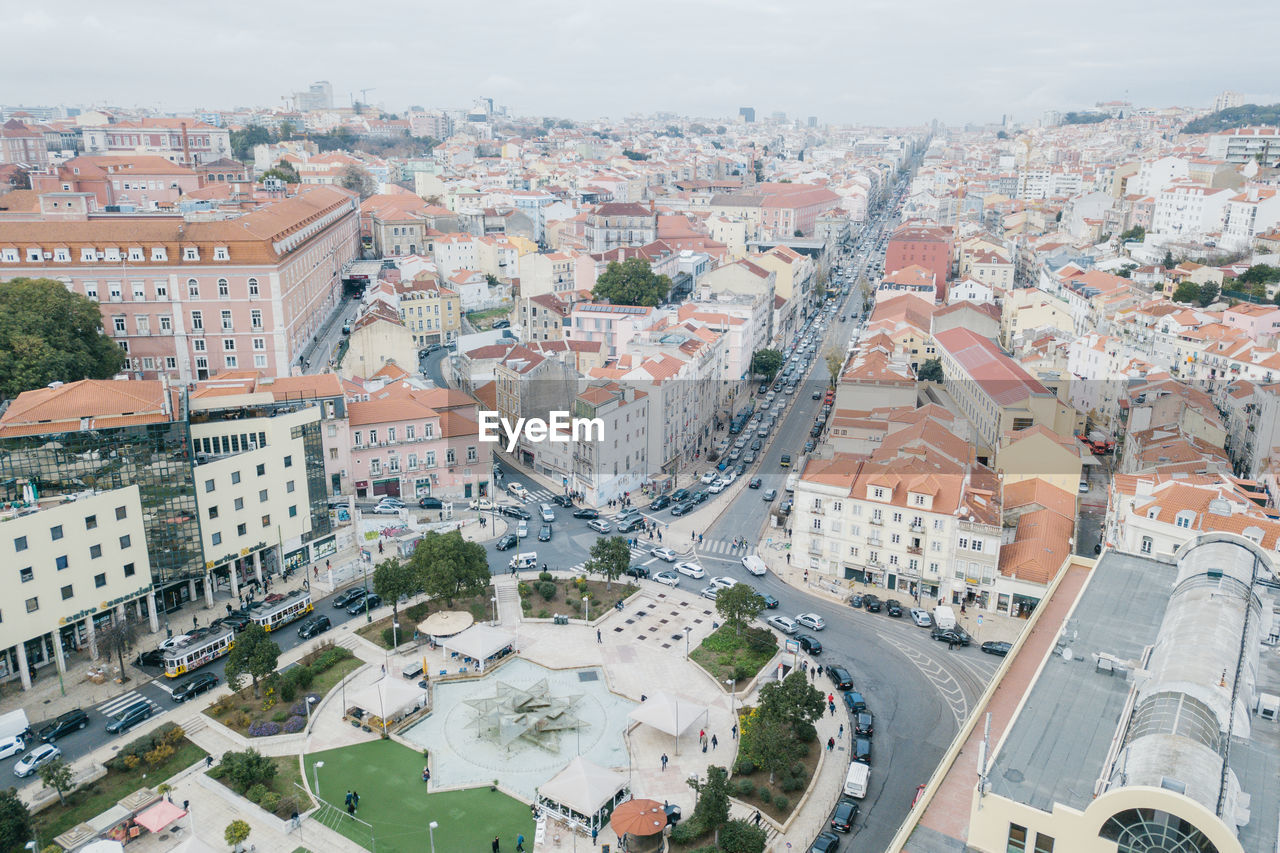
{"x":640,"y":553}
{"x":722,"y":546}
{"x":119,"y":703}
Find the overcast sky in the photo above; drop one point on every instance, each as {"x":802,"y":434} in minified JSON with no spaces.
{"x":863,"y":61}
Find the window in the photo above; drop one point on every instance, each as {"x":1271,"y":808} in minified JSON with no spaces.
{"x":1017,"y":839}
{"x":125,"y":541}
{"x":33,"y":604}
{"x":877,"y":492}
{"x":198,"y":345}
{"x":91,"y":292}
{"x":977,"y":544}
{"x":213,"y":512}
{"x":260,"y":344}
{"x":358,"y":437}
{"x":1044,"y":843}
{"x":216,"y":539}
{"x":293,"y":511}
{"x":191,"y":253}
{"x":288,"y":462}
{"x":373,"y":437}
{"x":471,"y":454}
{"x":224,"y":290}
{"x":118,"y":324}
{"x":34,"y":256}
{"x":262,"y":469}
{"x":170,"y":362}
{"x":1147,"y":543}
{"x":817,"y":524}
{"x":253,"y":287}
{"x":122,"y":513}
{"x":139,"y":292}
{"x":430,"y":460}
{"x":242,"y":529}
{"x":964,"y":542}
{"x":20,"y":543}
{"x":227,"y":325}
{"x":255,"y":319}
{"x":55,"y":532}
{"x":197,"y":321}
{"x":87,"y":256}
{"x":220,"y":253}
{"x":26,"y":574}
{"x":897,"y":518}
{"x":91,"y":522}
{"x":159,"y":253}
{"x":1184,"y":518}
{"x":450,"y":456}
{"x":208,"y":485}
{"x":895,"y":538}
{"x":95,"y":551}
{"x":60,"y":562}
{"x":231,"y":361}
{"x":235,"y":477}
{"x":262,"y":496}
{"x":193,"y":288}
{"x":61,"y":255}
{"x":129,"y":570}
{"x":67,"y":592}
{"x":259,"y":361}
{"x":288,"y":487}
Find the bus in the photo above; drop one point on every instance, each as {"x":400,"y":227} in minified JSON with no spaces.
{"x":273,"y":616}
{"x":195,"y":652}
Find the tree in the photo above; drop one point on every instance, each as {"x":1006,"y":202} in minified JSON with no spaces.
{"x":766,"y":362}
{"x":19,"y":179}
{"x":1188,"y":291}
{"x":774,"y":745}
{"x":793,"y":700}
{"x":236,"y":833}
{"x":358,"y":180}
{"x":248,"y":768}
{"x":118,"y":638}
{"x":254,"y":653}
{"x":930,"y":370}
{"x":1208,"y":293}
{"x":835,"y":361}
{"x":712,"y":809}
{"x":634,"y":155}
{"x":610,"y":556}
{"x":741,"y":836}
{"x":58,"y":776}
{"x":243,"y":141}
{"x":1168,"y":261}
{"x":449,"y":567}
{"x":15,"y":820}
{"x":1258,"y":290}
{"x":491,"y":279}
{"x":393,"y":579}
{"x":1137,"y":233}
{"x":632,"y":282}
{"x":49,"y":334}
{"x":739,"y":604}
{"x":284,"y":171}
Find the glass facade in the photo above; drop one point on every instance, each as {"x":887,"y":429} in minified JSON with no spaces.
{"x":317,"y":497}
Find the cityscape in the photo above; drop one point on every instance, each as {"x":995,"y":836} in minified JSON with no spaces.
{"x":729,"y":477}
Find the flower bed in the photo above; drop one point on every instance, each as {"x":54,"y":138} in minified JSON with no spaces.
{"x":282,"y":704}
{"x":548,"y":595}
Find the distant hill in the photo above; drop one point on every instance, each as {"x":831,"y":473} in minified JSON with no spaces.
{"x":1247,"y":115}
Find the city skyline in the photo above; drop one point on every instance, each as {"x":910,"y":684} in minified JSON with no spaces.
{"x":974,"y":68}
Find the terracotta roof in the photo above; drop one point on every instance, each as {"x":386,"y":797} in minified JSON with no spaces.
{"x":87,"y":404}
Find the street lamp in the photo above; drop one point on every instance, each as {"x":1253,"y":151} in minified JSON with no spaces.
{"x":733,"y":695}
{"x":311,"y":700}
{"x":431,"y":829}
{"x":687,"y":632}
{"x":495,"y":609}
{"x":586,"y":606}
{"x":315,"y":776}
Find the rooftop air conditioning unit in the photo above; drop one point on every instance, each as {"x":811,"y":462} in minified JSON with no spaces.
{"x":101,"y":255}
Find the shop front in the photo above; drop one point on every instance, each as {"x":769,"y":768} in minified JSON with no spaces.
{"x":387,"y":487}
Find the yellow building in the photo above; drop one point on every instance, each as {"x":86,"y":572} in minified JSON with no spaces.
{"x":432,"y":312}
{"x":1027,"y":310}
{"x":1038,"y":452}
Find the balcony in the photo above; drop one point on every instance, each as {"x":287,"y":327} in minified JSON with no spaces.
{"x":816,"y":509}
{"x":875,"y":564}
{"x":876,"y":521}
{"x":917,"y":527}
{"x":815,"y":547}
{"x":914,"y":550}
{"x":875,"y":541}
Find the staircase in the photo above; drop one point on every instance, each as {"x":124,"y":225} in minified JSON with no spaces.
{"x":508,"y":602}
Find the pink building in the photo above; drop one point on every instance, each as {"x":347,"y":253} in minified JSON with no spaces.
{"x":188,"y":299}
{"x":181,"y":140}
{"x":1257,"y":321}
{"x":142,"y":180}
{"x":609,"y":325}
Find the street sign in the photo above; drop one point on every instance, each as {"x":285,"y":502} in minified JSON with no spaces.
{"x":979,"y":618}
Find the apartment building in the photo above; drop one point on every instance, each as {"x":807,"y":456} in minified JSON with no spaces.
{"x":23,"y":145}
{"x":920,"y":244}
{"x":138,"y":180}
{"x":544,"y":317}
{"x":616,"y":224}
{"x":181,"y":140}
{"x":531,"y":382}
{"x":608,"y":468}
{"x":612,"y":326}
{"x":555,"y":273}
{"x":430,"y":311}
{"x":190,"y":297}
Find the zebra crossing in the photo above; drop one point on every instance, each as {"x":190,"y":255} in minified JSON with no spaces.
{"x":114,"y":706}
{"x":637,"y":552}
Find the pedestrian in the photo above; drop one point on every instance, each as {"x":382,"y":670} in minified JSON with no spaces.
{"x":348,"y":799}
{"x":831,"y":706}
{"x":664,"y":762}
{"x":195,"y":622}
{"x":208,"y":761}
{"x":355,"y":799}
{"x":699,"y":538}
{"x":831,"y":698}
{"x":519,"y":843}
{"x":426,"y":774}
{"x":831,"y":744}
{"x":598,"y":640}
{"x":496,"y":845}
{"x":840,"y":733}
{"x":714,"y":742}
{"x":692,"y":536}
{"x":756,"y":817}
{"x":595,"y":831}
{"x":228,"y":608}
{"x":316,"y":572}
{"x":735,"y":731}
{"x":702,"y":734}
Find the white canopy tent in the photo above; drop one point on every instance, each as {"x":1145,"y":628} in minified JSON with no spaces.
{"x":669,"y":714}
{"x":480,"y":643}
{"x":584,"y":793}
{"x":390,"y":698}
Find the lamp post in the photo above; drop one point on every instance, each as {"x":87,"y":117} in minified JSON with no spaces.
{"x":733,"y":696}
{"x":687,"y":632}
{"x":586,"y":606}
{"x":494,"y":599}
{"x":431,"y":830}
{"x":315,"y":776}
{"x":311,"y":700}
{"x":365,"y":583}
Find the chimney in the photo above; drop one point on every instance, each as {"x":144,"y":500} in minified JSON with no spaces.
{"x":186,"y":146}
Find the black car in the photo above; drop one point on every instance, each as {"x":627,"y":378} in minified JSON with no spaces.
{"x":699,"y":496}
{"x":871,"y":603}
{"x":154,"y":657}
{"x":562,"y":500}
{"x":368,"y":602}
{"x":757,"y":444}
{"x":816,"y":431}
{"x":635,"y":522}
{"x":129,"y":717}
{"x":515,"y":512}
{"x":854,"y":701}
{"x":893,"y":608}
{"x":661,"y":502}
{"x":855,"y":600}
{"x":996,"y":647}
{"x":846,"y":812}
{"x":826,"y":842}
{"x":679,"y":495}
{"x":195,"y":686}
{"x":840,"y":677}
{"x":955,"y":635}
{"x":862,"y":749}
{"x":544,"y":533}
{"x":638,"y":571}
{"x":586,"y":513}
{"x":430,"y":503}
{"x":236,"y":621}
{"x":864,"y":724}
{"x":770,"y":602}
{"x":315,"y":625}
{"x":755,"y":483}
{"x":810,"y":445}
{"x":346,"y":598}
{"x":809,"y":644}
{"x":508,"y":541}
{"x":681,"y":508}
{"x":69,"y":722}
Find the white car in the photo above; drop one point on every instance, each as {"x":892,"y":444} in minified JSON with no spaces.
{"x":783,"y":624}
{"x":522,"y":529}
{"x":921,"y":617}
{"x":396,"y":502}
{"x":669,"y":578}
{"x":812,"y":621}
{"x":599,"y":525}
{"x":692,"y":570}
{"x":710,"y":592}
{"x":709,"y":477}
{"x":483,"y":503}
{"x":35,"y":759}
{"x":387,"y":509}
{"x":664,"y":554}
{"x":11,"y":746}
{"x":723,"y":582}
{"x":518,"y":490}
{"x":717,"y":487}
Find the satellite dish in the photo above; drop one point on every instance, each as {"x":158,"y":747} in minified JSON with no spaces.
{"x":1066,"y":654}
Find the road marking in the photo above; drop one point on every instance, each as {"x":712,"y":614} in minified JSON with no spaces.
{"x":942,"y":680}
{"x":118,"y":704}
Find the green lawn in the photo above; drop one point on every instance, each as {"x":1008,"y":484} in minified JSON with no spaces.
{"x":393,"y":798}
{"x":729,"y":654}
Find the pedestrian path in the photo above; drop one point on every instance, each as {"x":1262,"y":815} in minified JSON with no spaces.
{"x":119,"y":703}
{"x":722,"y":546}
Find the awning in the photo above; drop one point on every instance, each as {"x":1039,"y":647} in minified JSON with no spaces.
{"x":669,"y":714}
{"x":446,"y":623}
{"x":159,"y":816}
{"x":583,"y":787}
{"x":389,"y":698}
{"x":479,"y":642}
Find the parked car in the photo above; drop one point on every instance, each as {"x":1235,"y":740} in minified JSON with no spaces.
{"x":826,"y":842}
{"x":755,"y":483}
{"x":955,"y":635}
{"x":669,"y":578}
{"x":710,"y":592}
{"x":430,"y":503}
{"x":770,"y":603}
{"x":353,"y":594}
{"x":717,"y":487}
{"x":194,"y":686}
{"x":861,"y":750}
{"x":152,"y":657}
{"x":769,"y":494}
{"x":35,"y":759}
{"x":638,"y":572}
{"x":317,"y":624}
{"x":660,"y":502}
{"x":681,"y":508}
{"x":11,"y":746}
{"x":586,"y":513}
{"x":599,"y":525}
{"x":783,"y":624}
{"x":698,"y":497}
{"x":893,"y":608}
{"x":709,"y":477}
{"x":390,"y":501}
{"x":71,"y":721}
{"x":809,"y":643}
{"x":864,"y":723}
{"x":845,"y":813}
{"x":723,"y":582}
{"x":871,"y":603}
{"x":854,"y":701}
{"x":812,"y":621}
{"x":236,"y":622}
{"x":129,"y":717}
{"x":482,"y":504}
{"x":692,"y":570}
{"x":368,"y":602}
{"x":508,"y":541}
{"x":387,"y":509}
{"x":679,"y":495}
{"x":665,"y":554}
{"x":840,"y":677}
{"x":544,"y":533}
{"x":996,"y":647}
{"x":921,"y":618}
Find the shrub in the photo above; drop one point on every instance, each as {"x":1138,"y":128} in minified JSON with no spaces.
{"x":162,"y":753}
{"x":543,"y":614}
{"x":526,"y":605}
{"x":238,"y":720}
{"x":741,"y":836}
{"x":781,"y":802}
{"x":288,"y":690}
{"x":256,"y":793}
{"x":796,"y":769}
{"x":547,"y":590}
{"x":131,"y":761}
{"x":742,"y":672}
{"x":280,"y":717}
{"x":687,"y":832}
{"x":302,"y":676}
{"x":264,"y":728}
{"x":294,"y":724}
{"x":168,"y":734}
{"x":389,"y":637}
{"x":52,"y":848}
{"x":287,"y":806}
{"x":744,"y":767}
{"x":746,"y":788}
{"x":760,"y":640}
{"x":270,"y":801}
{"x":792,"y":783}
{"x":766,"y":796}
{"x":248,"y":768}
{"x":544,"y":576}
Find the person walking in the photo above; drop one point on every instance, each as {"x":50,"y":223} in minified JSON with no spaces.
{"x":598,"y":640}
{"x":595,"y":832}
{"x":519,"y":843}
{"x":496,"y":845}
{"x":355,"y":799}
{"x":735,"y":731}
{"x":664,"y":762}
{"x":840,"y":733}
{"x":348,"y":801}
{"x":831,"y":706}
{"x":714,"y":742}
{"x":426,"y":774}
{"x":756,"y":817}
{"x":831,"y":744}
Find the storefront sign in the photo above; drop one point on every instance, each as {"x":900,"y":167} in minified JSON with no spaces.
{"x":140,"y":591}
{"x":324,"y":548}
{"x":295,"y":560}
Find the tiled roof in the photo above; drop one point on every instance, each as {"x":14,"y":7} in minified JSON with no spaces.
{"x":87,"y":404}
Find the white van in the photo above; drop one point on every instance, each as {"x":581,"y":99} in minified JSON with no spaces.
{"x":15,"y":724}
{"x":754,"y":564}
{"x":855,"y":784}
{"x":944,"y":617}
{"x":527,"y":560}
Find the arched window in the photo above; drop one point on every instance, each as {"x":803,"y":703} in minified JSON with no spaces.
{"x":253,"y":287}
{"x":1154,"y":831}
{"x":223,"y":289}
{"x":193,"y":288}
